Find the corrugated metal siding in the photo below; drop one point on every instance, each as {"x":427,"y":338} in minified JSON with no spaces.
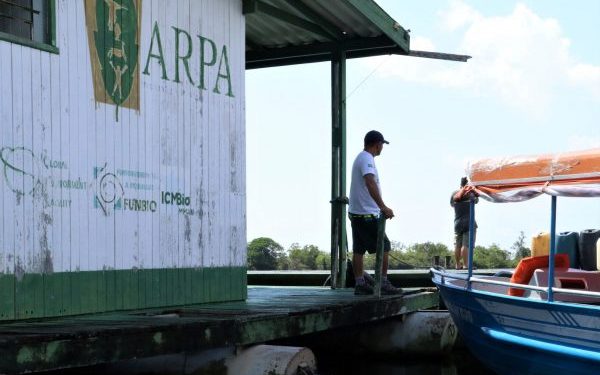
{"x":270,"y":32}
{"x":345,"y":18}
{"x":58,"y":143}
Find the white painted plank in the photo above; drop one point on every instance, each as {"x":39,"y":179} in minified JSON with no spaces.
{"x":153,"y":123}
{"x":8,"y":198}
{"x":144,"y":253}
{"x":5,"y":252}
{"x":18,"y":141}
{"x":239,"y":65}
{"x":73,"y":147}
{"x":65,"y":35}
{"x":89,"y":139}
{"x":45,"y":145}
{"x":54,"y":115}
{"x":39,"y":244}
{"x":80,"y":131}
{"x":29,"y":253}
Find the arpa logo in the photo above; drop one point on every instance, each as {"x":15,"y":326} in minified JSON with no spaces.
{"x":113,"y":28}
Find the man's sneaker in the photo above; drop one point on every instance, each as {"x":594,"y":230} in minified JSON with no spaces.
{"x":369,"y":279}
{"x":363,"y":289}
{"x":388,"y":289}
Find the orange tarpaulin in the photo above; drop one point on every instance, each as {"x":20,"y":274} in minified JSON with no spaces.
{"x":525,"y":177}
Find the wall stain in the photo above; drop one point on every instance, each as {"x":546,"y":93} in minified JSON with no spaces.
{"x":165,"y":150}
{"x":200,"y":212}
{"x":46,"y":219}
{"x":233,"y":165}
{"x":44,"y":264}
{"x":187,"y":232}
{"x":19,"y":270}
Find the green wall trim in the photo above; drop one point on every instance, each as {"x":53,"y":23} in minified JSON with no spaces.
{"x":52,"y":48}
{"x":84,"y":292}
{"x":7,"y":297}
{"x":27,"y":42}
{"x":53,"y":24}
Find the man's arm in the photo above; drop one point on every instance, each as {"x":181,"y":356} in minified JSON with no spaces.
{"x":458,"y":196}
{"x":374,"y":192}
{"x":463,"y":193}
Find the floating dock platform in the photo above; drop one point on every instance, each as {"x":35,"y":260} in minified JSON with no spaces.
{"x":269,"y":313}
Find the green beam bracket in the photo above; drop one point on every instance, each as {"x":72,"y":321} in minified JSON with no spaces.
{"x":338,"y":169}
{"x":439,"y":56}
{"x":381,"y":19}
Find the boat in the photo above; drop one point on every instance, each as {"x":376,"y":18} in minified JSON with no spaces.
{"x":552,"y":325}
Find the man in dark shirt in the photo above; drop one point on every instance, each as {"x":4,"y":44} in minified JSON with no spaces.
{"x":460,"y":201}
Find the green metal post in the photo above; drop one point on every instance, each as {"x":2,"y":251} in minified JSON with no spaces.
{"x":338,"y":169}
{"x":379,"y":255}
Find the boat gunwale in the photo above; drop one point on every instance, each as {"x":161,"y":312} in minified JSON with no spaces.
{"x":467,"y":288}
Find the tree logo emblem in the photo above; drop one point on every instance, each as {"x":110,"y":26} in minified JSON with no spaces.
{"x":113,"y":28}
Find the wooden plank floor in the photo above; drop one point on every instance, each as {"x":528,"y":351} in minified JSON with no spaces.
{"x":269,"y":313}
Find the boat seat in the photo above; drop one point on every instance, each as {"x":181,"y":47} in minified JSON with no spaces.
{"x":570,"y":278}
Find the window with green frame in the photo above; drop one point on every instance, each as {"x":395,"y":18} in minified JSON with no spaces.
{"x":28,"y":22}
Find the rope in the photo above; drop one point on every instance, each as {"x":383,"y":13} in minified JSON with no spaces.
{"x":367,"y":77}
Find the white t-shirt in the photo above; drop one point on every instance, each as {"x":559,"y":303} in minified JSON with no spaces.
{"x":361,"y":202}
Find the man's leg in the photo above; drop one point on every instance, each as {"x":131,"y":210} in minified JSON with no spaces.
{"x":465,"y":246}
{"x":384,"y":267}
{"x":357,"y":264}
{"x":386,"y":286}
{"x":457,"y":248}
{"x":361,"y":286}
{"x":465,"y":255}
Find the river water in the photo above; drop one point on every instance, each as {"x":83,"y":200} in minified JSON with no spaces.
{"x":459,"y":362}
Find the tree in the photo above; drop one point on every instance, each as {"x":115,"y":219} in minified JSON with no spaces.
{"x":263,"y":254}
{"x":521,"y":251}
{"x":421,"y":254}
{"x":491,"y":257}
{"x":415,"y":255}
{"x":305,"y":257}
{"x":323,"y":261}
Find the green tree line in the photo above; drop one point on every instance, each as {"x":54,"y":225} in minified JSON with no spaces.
{"x":266,"y":254}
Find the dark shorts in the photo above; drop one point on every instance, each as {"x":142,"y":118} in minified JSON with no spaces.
{"x":462,"y":239}
{"x":364,"y":234}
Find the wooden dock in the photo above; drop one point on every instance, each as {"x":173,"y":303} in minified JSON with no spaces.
{"x":269,"y":313}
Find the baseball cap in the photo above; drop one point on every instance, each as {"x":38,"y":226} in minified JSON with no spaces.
{"x":374,"y":136}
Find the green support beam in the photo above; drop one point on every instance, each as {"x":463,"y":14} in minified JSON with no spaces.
{"x":318,"y":52}
{"x":338,"y":169}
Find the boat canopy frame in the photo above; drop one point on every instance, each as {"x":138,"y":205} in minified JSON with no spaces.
{"x":574,"y":174}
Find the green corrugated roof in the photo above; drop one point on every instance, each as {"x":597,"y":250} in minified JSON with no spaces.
{"x":284,"y":32}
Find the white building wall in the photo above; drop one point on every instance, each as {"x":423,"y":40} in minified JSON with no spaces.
{"x":61,"y":149}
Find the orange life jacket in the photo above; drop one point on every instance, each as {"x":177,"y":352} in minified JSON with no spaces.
{"x":527,"y":267}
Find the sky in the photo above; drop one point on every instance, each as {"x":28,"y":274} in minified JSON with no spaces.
{"x":531,"y":87}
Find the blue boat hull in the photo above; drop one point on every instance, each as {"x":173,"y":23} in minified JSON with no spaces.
{"x":515,"y":335}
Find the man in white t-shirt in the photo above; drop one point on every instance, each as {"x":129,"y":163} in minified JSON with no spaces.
{"x":366,"y":205}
